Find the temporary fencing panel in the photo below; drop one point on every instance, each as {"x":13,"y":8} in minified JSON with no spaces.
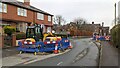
{"x":46,"y":46}
{"x":28,"y":47}
{"x":102,"y":38}
{"x":64,"y":43}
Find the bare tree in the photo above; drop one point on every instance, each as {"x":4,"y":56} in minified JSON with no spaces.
{"x":58,"y":19}
{"x":79,"y":22}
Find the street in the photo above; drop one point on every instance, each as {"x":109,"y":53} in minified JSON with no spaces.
{"x":60,"y":33}
{"x":84,"y":53}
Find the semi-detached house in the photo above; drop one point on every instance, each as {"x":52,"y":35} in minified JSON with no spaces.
{"x":22,"y":14}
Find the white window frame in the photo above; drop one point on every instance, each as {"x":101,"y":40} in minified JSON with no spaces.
{"x":0,"y":7}
{"x":18,"y":11}
{"x":49,"y":18}
{"x":25,"y":12}
{"x":40,"y":16}
{"x":21,"y":12}
{"x":3,"y":7}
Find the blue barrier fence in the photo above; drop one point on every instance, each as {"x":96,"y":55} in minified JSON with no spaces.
{"x":102,"y":38}
{"x":44,"y":46}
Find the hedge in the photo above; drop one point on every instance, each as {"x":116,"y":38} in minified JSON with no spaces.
{"x":115,"y":33}
{"x":9,"y":30}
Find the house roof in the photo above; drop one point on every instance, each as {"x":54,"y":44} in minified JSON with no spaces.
{"x":22,"y":5}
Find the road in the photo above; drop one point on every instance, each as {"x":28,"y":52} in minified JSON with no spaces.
{"x":84,"y":53}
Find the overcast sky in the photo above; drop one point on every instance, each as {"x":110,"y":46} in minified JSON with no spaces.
{"x":92,"y":10}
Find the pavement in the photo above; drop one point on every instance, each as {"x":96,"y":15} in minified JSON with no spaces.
{"x":6,"y":52}
{"x":110,"y":55}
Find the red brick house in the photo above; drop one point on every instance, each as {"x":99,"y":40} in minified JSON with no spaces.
{"x":22,"y":14}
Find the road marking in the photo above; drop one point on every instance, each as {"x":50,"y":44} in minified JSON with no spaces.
{"x":59,"y":63}
{"x":30,"y":61}
{"x":8,"y":50}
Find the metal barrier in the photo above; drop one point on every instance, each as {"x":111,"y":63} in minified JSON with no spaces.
{"x":101,"y":38}
{"x":47,"y":46}
{"x":28,"y":47}
{"x":65,"y":43}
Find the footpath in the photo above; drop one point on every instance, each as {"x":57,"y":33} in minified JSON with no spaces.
{"x":110,"y":56}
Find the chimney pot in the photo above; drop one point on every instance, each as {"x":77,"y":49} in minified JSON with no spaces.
{"x":102,"y":24}
{"x":27,"y":2}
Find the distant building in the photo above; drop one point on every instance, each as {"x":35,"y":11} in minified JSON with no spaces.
{"x":94,"y":28}
{"x":106,"y":31}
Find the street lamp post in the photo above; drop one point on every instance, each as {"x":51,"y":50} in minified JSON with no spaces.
{"x":115,"y":13}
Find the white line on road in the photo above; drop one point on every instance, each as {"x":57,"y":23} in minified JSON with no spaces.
{"x":8,"y":50}
{"x":59,"y":63}
{"x":28,"y":62}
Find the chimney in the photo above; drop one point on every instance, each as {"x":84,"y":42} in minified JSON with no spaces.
{"x":102,"y":24}
{"x":27,"y":2}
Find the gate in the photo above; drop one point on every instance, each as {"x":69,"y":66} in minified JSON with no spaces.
{"x":7,"y":41}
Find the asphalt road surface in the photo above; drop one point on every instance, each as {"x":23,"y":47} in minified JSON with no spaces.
{"x":84,"y":53}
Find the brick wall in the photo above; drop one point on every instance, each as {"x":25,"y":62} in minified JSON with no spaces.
{"x":2,"y":41}
{"x":12,"y":15}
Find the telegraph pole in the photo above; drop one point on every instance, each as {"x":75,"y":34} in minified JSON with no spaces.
{"x":115,"y":25}
{"x":115,"y":13}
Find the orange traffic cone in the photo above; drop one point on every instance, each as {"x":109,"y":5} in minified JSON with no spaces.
{"x":56,"y":51}
{"x":70,"y":46}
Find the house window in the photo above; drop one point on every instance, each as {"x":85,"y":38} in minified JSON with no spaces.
{"x":19,"y":11}
{"x":49,"y":18}
{"x":3,"y":7}
{"x":40,"y":16}
{"x":22,"y":12}
{"x":25,"y":12}
{"x":0,"y":7}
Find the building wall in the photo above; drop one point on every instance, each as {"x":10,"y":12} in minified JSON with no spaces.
{"x":17,"y":20}
{"x":12,"y":14}
{"x":21,"y":26}
{"x":45,"y":21}
{"x":37,"y":20}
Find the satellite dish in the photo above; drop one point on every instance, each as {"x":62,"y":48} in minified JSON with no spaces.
{"x":53,"y":31}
